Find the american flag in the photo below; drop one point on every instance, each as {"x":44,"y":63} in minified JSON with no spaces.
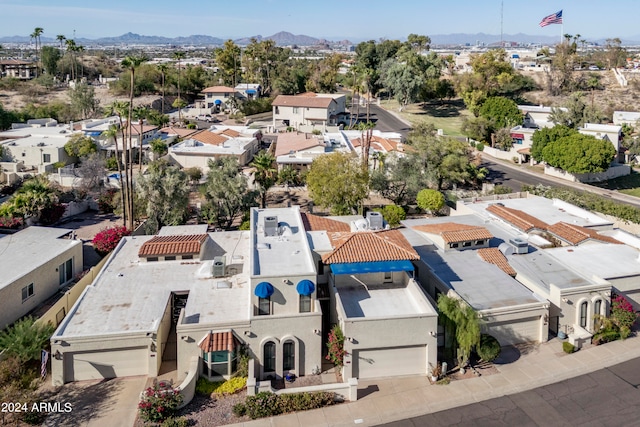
{"x":554,"y":18}
{"x":43,"y":367}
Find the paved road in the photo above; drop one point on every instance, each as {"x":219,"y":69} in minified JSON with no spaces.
{"x":388,"y":122}
{"x":608,"y":397}
{"x":513,"y":178}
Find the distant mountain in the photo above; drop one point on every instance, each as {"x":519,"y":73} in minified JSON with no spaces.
{"x":284,"y":38}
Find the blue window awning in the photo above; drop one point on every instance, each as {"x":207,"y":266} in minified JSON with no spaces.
{"x":371,"y":267}
{"x":305,"y":287}
{"x":251,"y":91}
{"x":264,"y":290}
{"x":217,"y":102}
{"x":94,"y":133}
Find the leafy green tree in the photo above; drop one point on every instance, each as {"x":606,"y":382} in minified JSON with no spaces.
{"x":402,"y":80}
{"x":542,"y":137}
{"x":227,"y":193}
{"x":393,"y":214}
{"x":463,"y":318}
{"x":260,"y":60}
{"x":228,"y":61}
{"x":194,"y":173}
{"x":477,"y":128}
{"x":324,"y":74}
{"x":80,"y":145}
{"x":34,"y":197}
{"x":575,"y":112}
{"x":158,"y":147}
{"x":430,"y":200}
{"x":50,"y":57}
{"x":83,"y":100}
{"x":25,"y":339}
{"x":337,"y":181}
{"x":164,"y":189}
{"x":265,"y":174}
{"x":289,"y":176}
{"x":501,"y":112}
{"x":579,"y":153}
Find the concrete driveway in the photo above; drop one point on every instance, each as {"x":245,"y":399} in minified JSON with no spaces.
{"x":102,"y":403}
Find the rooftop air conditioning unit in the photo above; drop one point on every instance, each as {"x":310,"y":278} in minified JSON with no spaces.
{"x":218,"y":266}
{"x":271,"y":226}
{"x":520,"y":246}
{"x":375,"y":220}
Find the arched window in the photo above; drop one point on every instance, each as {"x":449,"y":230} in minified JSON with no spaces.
{"x":288,"y":356}
{"x":583,"y":314}
{"x":597,"y":307}
{"x":269,"y":361}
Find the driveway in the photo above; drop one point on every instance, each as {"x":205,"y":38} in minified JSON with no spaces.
{"x":98,"y":403}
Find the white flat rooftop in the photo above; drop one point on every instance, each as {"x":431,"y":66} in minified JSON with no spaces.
{"x":379,"y":301}
{"x":130,"y":295}
{"x":606,"y":261}
{"x":28,"y":249}
{"x":58,"y":141}
{"x":288,"y":252}
{"x":60,"y":130}
{"x":235,"y":146}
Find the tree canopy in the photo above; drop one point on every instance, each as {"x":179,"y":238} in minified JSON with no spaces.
{"x":579,"y":153}
{"x":430,"y":200}
{"x":542,"y":137}
{"x":80,"y":145}
{"x":337,"y":181}
{"x":501,"y":112}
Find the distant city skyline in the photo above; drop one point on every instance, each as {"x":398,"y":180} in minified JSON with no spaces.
{"x":354,"y":20}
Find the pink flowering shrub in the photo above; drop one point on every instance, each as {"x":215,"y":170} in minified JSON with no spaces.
{"x":158,"y":403}
{"x":107,"y":240}
{"x":335,"y":345}
{"x":622,"y":315}
{"x":10,"y":222}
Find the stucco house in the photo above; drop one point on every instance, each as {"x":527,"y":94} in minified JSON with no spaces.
{"x":215,"y":99}
{"x":308,"y":111}
{"x":299,"y":149}
{"x":36,"y":263}
{"x":631,"y":118}
{"x":248,"y":91}
{"x":17,"y":68}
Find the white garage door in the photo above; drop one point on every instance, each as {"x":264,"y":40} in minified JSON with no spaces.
{"x":516,"y":331}
{"x":386,"y":362}
{"x":106,"y":364}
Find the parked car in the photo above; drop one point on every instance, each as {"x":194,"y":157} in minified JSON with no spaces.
{"x":594,"y":68}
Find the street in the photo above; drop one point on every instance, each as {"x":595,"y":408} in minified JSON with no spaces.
{"x":608,"y":397}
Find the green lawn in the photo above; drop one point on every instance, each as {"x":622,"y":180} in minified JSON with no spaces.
{"x":447,"y":116}
{"x":629,"y":184}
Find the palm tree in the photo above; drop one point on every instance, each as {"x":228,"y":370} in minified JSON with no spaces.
{"x":179,"y":56}
{"x":37,"y":32}
{"x":265,"y":174}
{"x":163,"y":71}
{"x":141,"y":113}
{"x":131,"y":62}
{"x":61,"y":38}
{"x":71,"y":48}
{"x":120,"y":108}
{"x":112,"y":133}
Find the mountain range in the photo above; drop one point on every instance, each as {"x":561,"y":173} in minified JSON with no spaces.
{"x":284,"y":38}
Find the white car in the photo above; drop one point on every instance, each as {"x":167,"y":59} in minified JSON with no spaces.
{"x":594,"y":68}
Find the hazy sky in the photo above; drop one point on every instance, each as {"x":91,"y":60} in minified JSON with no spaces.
{"x":353,"y":19}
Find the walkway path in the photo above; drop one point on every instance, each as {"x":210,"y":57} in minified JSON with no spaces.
{"x":391,"y":400}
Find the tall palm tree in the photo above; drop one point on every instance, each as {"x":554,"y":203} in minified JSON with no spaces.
{"x":131,"y":62}
{"x":37,"y":32}
{"x":265,"y":174}
{"x":71,"y":48}
{"x":179,"y":55}
{"x":141,"y":113}
{"x":112,"y":133}
{"x":163,"y":71}
{"x":61,"y":38}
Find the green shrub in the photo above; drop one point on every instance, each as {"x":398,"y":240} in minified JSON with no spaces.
{"x":111,"y":163}
{"x":393,"y":214}
{"x":489,"y":348}
{"x":267,"y":404}
{"x":206,"y":387}
{"x":568,"y":347}
{"x":625,"y":331}
{"x":605,"y":337}
{"x":175,"y":422}
{"x":479,"y":146}
{"x":231,"y":386}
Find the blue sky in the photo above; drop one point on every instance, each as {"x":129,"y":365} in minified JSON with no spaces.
{"x":352,"y":19}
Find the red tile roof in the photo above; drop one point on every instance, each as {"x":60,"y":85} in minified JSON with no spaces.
{"x":452,"y":232}
{"x":218,"y":89}
{"x":229,"y":132}
{"x":302,"y":101}
{"x":517,"y":218}
{"x":172,"y":245}
{"x":207,"y":137}
{"x":181,"y":132}
{"x":576,"y":234}
{"x":495,"y":257}
{"x":372,"y":246}
{"x":318,"y":223}
{"x":218,"y":341}
{"x":295,"y":141}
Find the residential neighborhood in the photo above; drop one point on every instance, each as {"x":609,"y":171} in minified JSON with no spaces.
{"x":300,"y":231}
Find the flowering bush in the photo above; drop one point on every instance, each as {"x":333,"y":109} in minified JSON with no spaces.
{"x":10,"y":222}
{"x":107,"y":240}
{"x":622,"y":314}
{"x":335,"y":345}
{"x":157,"y":404}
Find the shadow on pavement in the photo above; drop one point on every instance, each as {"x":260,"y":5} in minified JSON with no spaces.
{"x":508,"y":354}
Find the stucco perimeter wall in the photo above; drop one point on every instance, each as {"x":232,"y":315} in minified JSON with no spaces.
{"x":613,"y":172}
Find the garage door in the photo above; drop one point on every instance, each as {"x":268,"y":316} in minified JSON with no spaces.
{"x":517,"y":331}
{"x":373,"y":363}
{"x":106,"y":364}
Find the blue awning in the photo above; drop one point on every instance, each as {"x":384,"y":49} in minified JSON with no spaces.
{"x":217,"y":102}
{"x":94,"y":133}
{"x":371,"y":267}
{"x":264,"y":290}
{"x":305,"y":287}
{"x":251,"y":91}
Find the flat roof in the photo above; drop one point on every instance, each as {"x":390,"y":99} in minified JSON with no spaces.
{"x":60,"y":130}
{"x":28,"y":249}
{"x":130,"y":295}
{"x":236,"y":146}
{"x":605,"y":261}
{"x":381,"y":301}
{"x":57,"y":141}
{"x":288,"y":252}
